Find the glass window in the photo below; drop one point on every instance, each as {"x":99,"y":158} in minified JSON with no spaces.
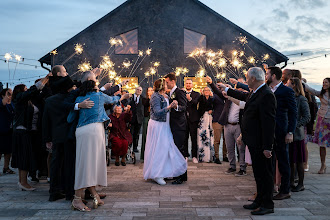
{"x":193,"y":40}
{"x":130,"y":43}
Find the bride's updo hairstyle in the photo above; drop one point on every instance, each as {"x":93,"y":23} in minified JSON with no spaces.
{"x":159,"y":85}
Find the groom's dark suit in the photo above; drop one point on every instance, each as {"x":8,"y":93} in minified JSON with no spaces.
{"x":178,"y":122}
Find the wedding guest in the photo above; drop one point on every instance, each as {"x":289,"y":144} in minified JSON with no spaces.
{"x":297,"y":147}
{"x":146,"y":104}
{"x":162,"y":157}
{"x":205,"y":136}
{"x":322,"y":130}
{"x":192,"y":118}
{"x":6,"y":128}
{"x":55,"y":134}
{"x":286,"y":120}
{"x":309,"y":132}
{"x":22,"y":123}
{"x":90,"y":148}
{"x":258,"y":129}
{"x":218,"y":105}
{"x":230,"y":119}
{"x":137,"y":119}
{"x":120,"y":137}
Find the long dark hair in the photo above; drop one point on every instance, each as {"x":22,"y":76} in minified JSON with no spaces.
{"x":87,"y":86}
{"x":323,"y":91}
{"x":3,"y":92}
{"x":18,"y":89}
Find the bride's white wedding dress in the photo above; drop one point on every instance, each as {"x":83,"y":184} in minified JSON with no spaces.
{"x":162,"y":158}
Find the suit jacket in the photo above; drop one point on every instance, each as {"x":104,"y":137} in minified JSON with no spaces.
{"x":258,"y":123}
{"x":178,"y":120}
{"x":192,"y":112}
{"x":54,"y":122}
{"x":286,"y":112}
{"x":137,"y":110}
{"x":218,"y":106}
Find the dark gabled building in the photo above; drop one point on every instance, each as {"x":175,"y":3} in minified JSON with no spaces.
{"x":175,"y":28}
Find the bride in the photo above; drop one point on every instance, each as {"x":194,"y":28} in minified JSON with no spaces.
{"x":162,"y":158}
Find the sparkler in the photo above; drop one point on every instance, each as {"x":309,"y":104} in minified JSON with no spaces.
{"x":243,"y":40}
{"x":251,"y":60}
{"x":53,"y":53}
{"x":18,"y":59}
{"x":147,"y":53}
{"x":78,"y":49}
{"x":265,"y":57}
{"x":8,"y":57}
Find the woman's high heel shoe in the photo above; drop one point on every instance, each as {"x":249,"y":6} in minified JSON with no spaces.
{"x":322,"y":171}
{"x":96,"y":202}
{"x":73,"y":207}
{"x":24,"y":188}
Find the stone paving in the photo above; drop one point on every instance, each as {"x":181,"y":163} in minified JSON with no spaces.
{"x":209,"y":194}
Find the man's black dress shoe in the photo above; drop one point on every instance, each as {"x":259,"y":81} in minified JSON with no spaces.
{"x":252,"y":206}
{"x":56,"y":196}
{"x":217,"y":161}
{"x":298,"y":188}
{"x":117,"y":164}
{"x":178,"y":181}
{"x":225,"y":159}
{"x":262,"y":211}
{"x":123,"y":163}
{"x":282,"y":196}
{"x":135,"y":150}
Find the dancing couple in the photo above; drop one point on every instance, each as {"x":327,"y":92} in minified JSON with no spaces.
{"x":164,"y":150}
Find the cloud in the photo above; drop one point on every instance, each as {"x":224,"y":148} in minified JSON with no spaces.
{"x":281,"y":14}
{"x":308,"y":4}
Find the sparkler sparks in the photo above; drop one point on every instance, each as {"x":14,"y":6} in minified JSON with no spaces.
{"x":241,"y":53}
{"x":54,"y":52}
{"x":127,"y":64}
{"x":8,"y":56}
{"x":243,"y":40}
{"x":265,"y":57}
{"x":148,"y":52}
{"x":156,"y":64}
{"x":201,"y":73}
{"x":18,"y":58}
{"x":251,"y":60}
{"x":83,"y":67}
{"x":140,"y":53}
{"x":152,"y":71}
{"x":222,"y":63}
{"x":78,"y":48}
{"x":235,"y":53}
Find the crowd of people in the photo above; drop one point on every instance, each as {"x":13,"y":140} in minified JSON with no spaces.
{"x":57,"y":129}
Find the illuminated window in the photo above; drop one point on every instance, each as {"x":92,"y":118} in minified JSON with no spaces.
{"x":130,"y":43}
{"x":193,"y":40}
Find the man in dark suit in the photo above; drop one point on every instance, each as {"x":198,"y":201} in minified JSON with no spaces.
{"x":138,"y":116}
{"x":258,"y":130}
{"x":178,"y":120}
{"x":192,"y":119}
{"x":286,"y":121}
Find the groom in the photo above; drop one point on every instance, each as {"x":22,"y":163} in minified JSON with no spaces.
{"x":178,"y":121}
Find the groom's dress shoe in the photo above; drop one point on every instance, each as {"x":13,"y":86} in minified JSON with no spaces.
{"x":262,"y":211}
{"x":252,"y":206}
{"x":178,"y":181}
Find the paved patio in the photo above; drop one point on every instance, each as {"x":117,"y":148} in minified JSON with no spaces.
{"x":209,"y":194}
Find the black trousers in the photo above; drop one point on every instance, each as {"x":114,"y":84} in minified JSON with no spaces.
{"x":192,"y":130}
{"x":263,"y":175}
{"x":38,"y":154}
{"x":69,"y":167}
{"x":179,"y":141}
{"x":282,"y":155}
{"x":56,"y":169}
{"x":135,"y":131}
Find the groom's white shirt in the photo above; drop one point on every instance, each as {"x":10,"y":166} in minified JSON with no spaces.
{"x":171,"y":92}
